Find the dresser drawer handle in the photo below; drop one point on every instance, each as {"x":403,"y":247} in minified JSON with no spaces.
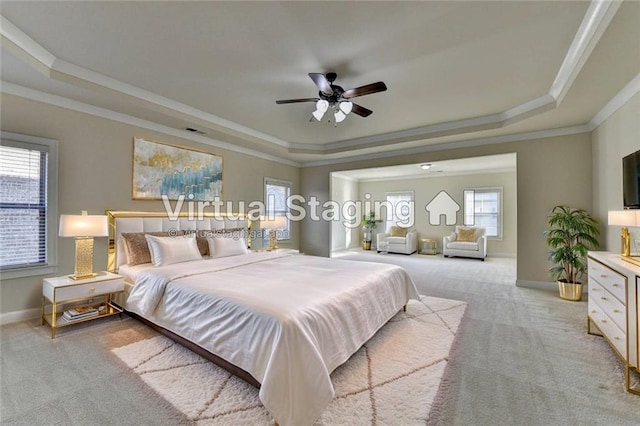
{"x":604,"y":298}
{"x":615,"y":285}
{"x":616,"y":311}
{"x":92,"y":289}
{"x":617,"y":338}
{"x":596,"y":289}
{"x":604,"y":320}
{"x":603,"y":276}
{"x":594,"y":311}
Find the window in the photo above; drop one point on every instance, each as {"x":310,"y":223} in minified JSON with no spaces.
{"x":399,"y":209}
{"x":483,"y":207}
{"x":276,"y":193}
{"x":28,"y":210}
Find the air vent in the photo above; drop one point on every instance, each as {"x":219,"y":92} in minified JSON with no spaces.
{"x":192,"y":130}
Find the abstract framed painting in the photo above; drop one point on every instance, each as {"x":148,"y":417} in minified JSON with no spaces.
{"x":160,"y":169}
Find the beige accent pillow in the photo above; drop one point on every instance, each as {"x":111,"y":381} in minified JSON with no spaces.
{"x":467,"y":235}
{"x":137,"y":248}
{"x":397,"y":231}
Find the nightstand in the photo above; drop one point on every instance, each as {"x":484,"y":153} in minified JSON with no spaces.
{"x":93,"y":292}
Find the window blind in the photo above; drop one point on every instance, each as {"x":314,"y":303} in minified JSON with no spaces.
{"x":483,"y":208}
{"x":23,"y":206}
{"x":400,"y":211}
{"x":277,"y":193}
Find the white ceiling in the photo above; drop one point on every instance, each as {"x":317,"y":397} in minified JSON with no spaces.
{"x":473,"y":165}
{"x":455,"y":71}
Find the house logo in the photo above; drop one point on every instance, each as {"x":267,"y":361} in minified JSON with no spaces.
{"x":442,"y":204}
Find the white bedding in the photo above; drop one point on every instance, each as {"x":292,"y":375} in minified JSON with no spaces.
{"x":287,"y":320}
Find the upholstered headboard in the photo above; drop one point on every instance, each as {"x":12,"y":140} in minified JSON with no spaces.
{"x":125,"y":221}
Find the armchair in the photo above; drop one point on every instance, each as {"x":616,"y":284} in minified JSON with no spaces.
{"x":398,"y":240}
{"x":466,"y":241}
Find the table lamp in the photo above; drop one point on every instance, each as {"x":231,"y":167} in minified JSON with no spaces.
{"x":626,"y":218}
{"x":273,"y":224}
{"x":83,"y":227}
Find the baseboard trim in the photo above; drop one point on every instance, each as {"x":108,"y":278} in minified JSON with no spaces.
{"x":17,"y":316}
{"x":538,"y":285}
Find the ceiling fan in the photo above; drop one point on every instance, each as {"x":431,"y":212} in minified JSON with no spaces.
{"x":335,"y":97}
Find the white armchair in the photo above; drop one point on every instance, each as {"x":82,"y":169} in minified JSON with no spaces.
{"x":398,"y":240}
{"x":466,"y":241}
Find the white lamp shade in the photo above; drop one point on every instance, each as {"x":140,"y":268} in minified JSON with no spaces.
{"x":346,"y":107}
{"x":75,"y":225}
{"x":624,"y":217}
{"x":340,"y":116}
{"x":275,"y":222}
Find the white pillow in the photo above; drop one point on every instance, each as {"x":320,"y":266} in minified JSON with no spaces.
{"x":453,"y":236}
{"x":168,"y":250}
{"x":227,"y":245}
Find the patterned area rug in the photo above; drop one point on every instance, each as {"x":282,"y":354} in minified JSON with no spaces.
{"x":392,"y":379}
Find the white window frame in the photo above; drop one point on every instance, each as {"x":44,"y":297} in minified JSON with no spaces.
{"x":51,"y":147}
{"x":390,"y":219}
{"x":499,"y":214}
{"x":286,"y":236}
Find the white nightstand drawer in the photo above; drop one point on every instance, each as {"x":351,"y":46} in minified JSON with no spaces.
{"x":609,"y":305}
{"x":609,"y":329}
{"x":82,"y":291}
{"x":609,"y":279}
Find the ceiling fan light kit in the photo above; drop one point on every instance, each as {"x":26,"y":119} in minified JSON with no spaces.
{"x":335,"y":97}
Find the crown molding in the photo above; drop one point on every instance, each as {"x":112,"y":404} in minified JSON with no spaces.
{"x":593,"y":25}
{"x":67,"y":72}
{"x":47,"y":98}
{"x":493,"y":140}
{"x":631,"y":89}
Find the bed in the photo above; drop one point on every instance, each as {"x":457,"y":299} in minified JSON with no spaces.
{"x":280,"y":321}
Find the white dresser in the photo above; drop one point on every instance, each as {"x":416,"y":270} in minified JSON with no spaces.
{"x":614,"y":287}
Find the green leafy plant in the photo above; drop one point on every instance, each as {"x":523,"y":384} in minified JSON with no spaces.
{"x":369,"y":223}
{"x":572,"y":233}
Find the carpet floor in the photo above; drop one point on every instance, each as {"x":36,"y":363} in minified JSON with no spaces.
{"x":406,"y":357}
{"x":520,"y":357}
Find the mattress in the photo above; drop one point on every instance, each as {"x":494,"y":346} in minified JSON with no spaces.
{"x":288,"y":320}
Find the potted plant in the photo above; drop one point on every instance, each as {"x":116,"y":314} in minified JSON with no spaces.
{"x":369,"y":223}
{"x":572,"y":233}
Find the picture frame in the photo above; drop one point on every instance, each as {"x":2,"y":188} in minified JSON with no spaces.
{"x":167,"y":170}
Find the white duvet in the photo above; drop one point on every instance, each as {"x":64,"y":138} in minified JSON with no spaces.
{"x":288,"y":320}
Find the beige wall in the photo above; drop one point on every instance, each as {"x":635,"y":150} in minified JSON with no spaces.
{"x":342,"y":237}
{"x":95,"y":169}
{"x":615,"y":138}
{"x":550,"y":171}
{"x":425,"y":189}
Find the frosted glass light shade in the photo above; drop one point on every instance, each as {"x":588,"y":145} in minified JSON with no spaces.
{"x":322,"y":105}
{"x":346,"y":107}
{"x":317,"y":114}
{"x":72,"y":225}
{"x":340,"y":116}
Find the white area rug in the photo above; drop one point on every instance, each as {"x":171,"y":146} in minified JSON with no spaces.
{"x":392,"y":379}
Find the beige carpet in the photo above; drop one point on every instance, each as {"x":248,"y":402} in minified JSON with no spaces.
{"x":392,"y":379}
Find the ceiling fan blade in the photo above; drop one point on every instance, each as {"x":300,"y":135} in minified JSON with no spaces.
{"x":321,"y":81}
{"x":361,"y":111}
{"x":293,"y":101}
{"x":367,"y":89}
